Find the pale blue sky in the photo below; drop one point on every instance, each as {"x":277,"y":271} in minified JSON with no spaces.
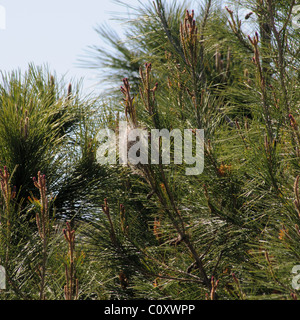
{"x":56,"y":32}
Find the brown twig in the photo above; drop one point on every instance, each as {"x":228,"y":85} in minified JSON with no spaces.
{"x":280,"y":60}
{"x":297,"y":198}
{"x":71,"y":287}
{"x":43,"y":225}
{"x":105,"y":209}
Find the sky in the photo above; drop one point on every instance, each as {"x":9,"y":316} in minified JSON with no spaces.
{"x":57,"y":33}
{"x":54,"y":32}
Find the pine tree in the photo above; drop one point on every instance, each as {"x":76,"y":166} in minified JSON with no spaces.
{"x":74,"y":228}
{"x":48,"y":174}
{"x":230,"y":232}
